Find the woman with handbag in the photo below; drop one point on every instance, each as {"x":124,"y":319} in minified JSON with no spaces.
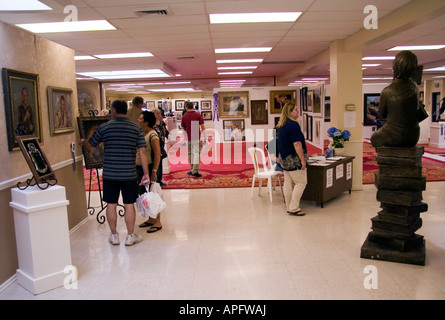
{"x":147,"y":120}
{"x":292,"y":158}
{"x":162,"y":131}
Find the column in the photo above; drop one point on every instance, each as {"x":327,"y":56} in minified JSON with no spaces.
{"x":346,"y":101}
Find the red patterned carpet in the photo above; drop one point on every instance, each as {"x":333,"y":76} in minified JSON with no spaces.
{"x":229,"y":167}
{"x":433,"y":170}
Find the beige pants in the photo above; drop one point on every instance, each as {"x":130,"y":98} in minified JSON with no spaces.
{"x":194,"y":150}
{"x":294,"y":185}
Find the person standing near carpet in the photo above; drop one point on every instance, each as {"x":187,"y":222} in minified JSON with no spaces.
{"x":122,"y":139}
{"x":193,"y":124}
{"x":147,"y":121}
{"x":292,"y":157}
{"x":161,"y":129}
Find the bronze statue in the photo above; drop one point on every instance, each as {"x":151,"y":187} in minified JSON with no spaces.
{"x":399,"y":104}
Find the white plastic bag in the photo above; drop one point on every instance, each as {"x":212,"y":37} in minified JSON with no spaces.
{"x":149,"y":204}
{"x":156,"y":188}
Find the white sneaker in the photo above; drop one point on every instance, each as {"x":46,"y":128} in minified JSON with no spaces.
{"x":132,"y":239}
{"x":114,"y":239}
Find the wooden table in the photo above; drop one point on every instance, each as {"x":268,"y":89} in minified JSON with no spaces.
{"x":325,"y":182}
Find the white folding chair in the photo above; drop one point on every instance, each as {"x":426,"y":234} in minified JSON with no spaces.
{"x":263,"y":170}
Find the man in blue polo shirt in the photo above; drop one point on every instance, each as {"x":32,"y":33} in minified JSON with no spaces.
{"x":122,"y":139}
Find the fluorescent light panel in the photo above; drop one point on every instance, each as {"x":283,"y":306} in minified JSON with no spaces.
{"x":125,"y":74}
{"x":242,"y":50}
{"x":239,"y":60}
{"x":171,"y":90}
{"x":237,"y":68}
{"x":436,"y":69}
{"x":423,"y":47}
{"x":77,"y":58}
{"x":371,"y":64}
{"x":123,"y":55}
{"x":72,"y":26}
{"x":236,"y":72}
{"x":23,"y":5}
{"x":254,"y":17}
{"x":379,"y":58}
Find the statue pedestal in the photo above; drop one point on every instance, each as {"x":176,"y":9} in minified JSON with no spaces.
{"x":400,"y":184}
{"x":42,"y":236}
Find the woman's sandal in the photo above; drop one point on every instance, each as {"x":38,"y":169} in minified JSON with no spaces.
{"x":145,"y":224}
{"x":298,"y":213}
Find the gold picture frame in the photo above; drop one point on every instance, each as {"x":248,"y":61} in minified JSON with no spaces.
{"x":233,"y":104}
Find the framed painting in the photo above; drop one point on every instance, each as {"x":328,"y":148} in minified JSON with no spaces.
{"x":150,"y":105}
{"x":327,"y":109}
{"x":371,"y":103}
{"x":279,"y":98}
{"x":258,"y":112}
{"x":195,"y":105}
{"x":316,"y":100}
{"x":179,"y":105}
{"x":304,"y":124}
{"x":233,"y":104}
{"x":86,"y":101}
{"x":206,"y":105}
{"x":206,"y":115}
{"x":309,"y":128}
{"x":60,"y":110}
{"x":36,"y":159}
{"x":22,"y":106}
{"x":234,"y":130}
{"x":317,"y":128}
{"x":303,"y":98}
{"x":87,"y":126}
{"x":310,"y":100}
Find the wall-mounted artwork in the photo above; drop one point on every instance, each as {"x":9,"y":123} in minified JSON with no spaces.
{"x":371,"y":103}
{"x":233,"y":104}
{"x":259,"y":114}
{"x":206,"y":115}
{"x":234,"y":130}
{"x":327,"y":109}
{"x":279,"y":98}
{"x":206,"y":105}
{"x":22,"y":106}
{"x":179,"y":105}
{"x":60,"y":110}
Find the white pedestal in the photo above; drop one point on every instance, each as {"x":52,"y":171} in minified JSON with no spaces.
{"x":437,"y":135}
{"x":42,"y":236}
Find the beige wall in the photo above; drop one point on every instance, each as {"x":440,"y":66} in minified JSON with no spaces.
{"x":54,"y":64}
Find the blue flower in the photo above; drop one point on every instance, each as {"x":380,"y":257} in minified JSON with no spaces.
{"x":332,"y":131}
{"x":338,"y":136}
{"x":346,"y":134}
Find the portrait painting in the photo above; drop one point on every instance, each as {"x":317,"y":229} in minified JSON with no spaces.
{"x":35,"y":158}
{"x":233,"y":104}
{"x":60,"y":110}
{"x":22,"y":106}
{"x":86,"y":101}
{"x":234,"y":130}
{"x":150,"y":105}
{"x":179,"y":105}
{"x":87,"y":126}
{"x":279,"y":98}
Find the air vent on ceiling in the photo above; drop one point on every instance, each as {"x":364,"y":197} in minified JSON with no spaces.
{"x":160,"y":11}
{"x":186,"y":58}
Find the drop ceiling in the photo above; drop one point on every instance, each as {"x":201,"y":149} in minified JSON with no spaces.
{"x":183,"y":41}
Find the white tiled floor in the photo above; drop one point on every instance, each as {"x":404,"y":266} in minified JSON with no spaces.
{"x":220,"y":244}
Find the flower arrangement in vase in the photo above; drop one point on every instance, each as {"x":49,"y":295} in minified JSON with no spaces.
{"x":338,"y":137}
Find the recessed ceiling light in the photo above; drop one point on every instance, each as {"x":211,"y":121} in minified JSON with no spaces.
{"x":237,"y":68}
{"x":436,"y":69}
{"x":241,"y":50}
{"x":379,"y":58}
{"x":371,"y":64}
{"x":125,"y":74}
{"x":427,"y":47}
{"x":239,"y":60}
{"x":254,"y":17}
{"x":23,"y":5}
{"x":72,"y":26}
{"x":84,"y":58}
{"x":123,"y":55}
{"x":236,"y":72}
